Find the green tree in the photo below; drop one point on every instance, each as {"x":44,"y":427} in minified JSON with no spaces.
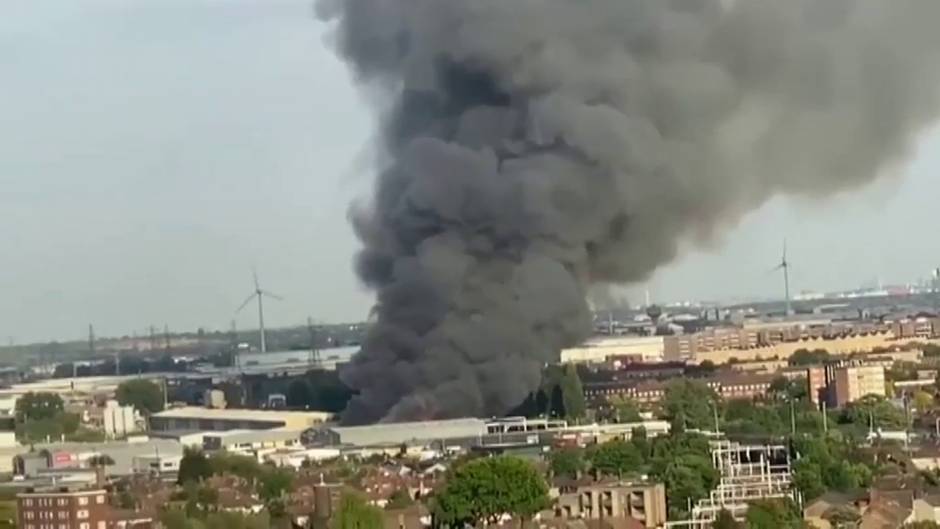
{"x":207,"y":498}
{"x":245,"y":467}
{"x":922,"y":525}
{"x":481,"y":490}
{"x":126,"y":500}
{"x":842,"y":517}
{"x":773,"y":514}
{"x":616,"y":458}
{"x":923,"y":401}
{"x":625,"y":409}
{"x":194,"y":467}
{"x":354,"y":513}
{"x":144,"y":395}
{"x":690,"y":404}
{"x":683,"y":463}
{"x":400,"y":499}
{"x":725,"y":520}
{"x":567,"y":462}
{"x":573,"y":393}
{"x":875,"y":409}
{"x":38,"y":406}
{"x":173,"y":519}
{"x":804,"y":357}
{"x":274,"y":483}
{"x":807,"y":478}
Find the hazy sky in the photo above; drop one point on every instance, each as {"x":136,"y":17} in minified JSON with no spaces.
{"x":153,"y":151}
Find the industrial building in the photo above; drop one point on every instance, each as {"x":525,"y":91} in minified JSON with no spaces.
{"x":403,"y":433}
{"x":193,"y":419}
{"x":47,"y":460}
{"x":251,"y":442}
{"x":599,"y":350}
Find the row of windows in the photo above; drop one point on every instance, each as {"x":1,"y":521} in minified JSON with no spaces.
{"x":46,"y":515}
{"x":61,"y":502}
{"x":83,"y":525}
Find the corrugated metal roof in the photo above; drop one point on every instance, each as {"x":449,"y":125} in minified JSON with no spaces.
{"x":404,"y":432}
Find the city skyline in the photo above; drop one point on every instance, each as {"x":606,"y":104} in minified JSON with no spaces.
{"x":146,"y":194}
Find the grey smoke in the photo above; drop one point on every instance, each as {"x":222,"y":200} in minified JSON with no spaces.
{"x":536,"y":148}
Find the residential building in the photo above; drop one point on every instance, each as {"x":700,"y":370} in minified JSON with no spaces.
{"x":643,"y":502}
{"x":852,"y":382}
{"x":779,"y":341}
{"x":63,"y":509}
{"x":726,"y":384}
{"x":817,"y":384}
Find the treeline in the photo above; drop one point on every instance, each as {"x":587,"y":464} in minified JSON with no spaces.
{"x":561,"y":395}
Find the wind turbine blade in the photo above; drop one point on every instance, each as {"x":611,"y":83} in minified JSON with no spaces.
{"x":254,"y":274}
{"x":784,"y":250}
{"x":245,"y":304}
{"x":272,"y":295}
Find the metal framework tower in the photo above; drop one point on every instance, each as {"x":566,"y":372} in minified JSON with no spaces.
{"x":748,"y":473}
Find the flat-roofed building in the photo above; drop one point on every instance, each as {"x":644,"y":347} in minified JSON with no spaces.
{"x":63,"y":509}
{"x":599,"y":350}
{"x":817,"y":384}
{"x":850,"y":383}
{"x":403,"y":432}
{"x":643,"y":502}
{"x":250,"y":442}
{"x":208,"y":420}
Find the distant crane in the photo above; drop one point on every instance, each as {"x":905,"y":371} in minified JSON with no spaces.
{"x":260,"y":294}
{"x":785,"y":266}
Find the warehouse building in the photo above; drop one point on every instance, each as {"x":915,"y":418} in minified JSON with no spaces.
{"x":401,"y":433}
{"x":193,"y":419}
{"x":251,"y":442}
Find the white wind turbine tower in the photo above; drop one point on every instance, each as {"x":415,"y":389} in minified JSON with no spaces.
{"x":260,"y":294}
{"x":785,"y":266}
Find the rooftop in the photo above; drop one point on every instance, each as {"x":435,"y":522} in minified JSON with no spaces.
{"x":194,"y":412}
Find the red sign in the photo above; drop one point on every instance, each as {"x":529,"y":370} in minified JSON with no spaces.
{"x":62,"y":459}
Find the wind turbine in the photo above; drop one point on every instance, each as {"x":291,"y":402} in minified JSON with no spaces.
{"x":785,"y":266}
{"x":260,"y":295}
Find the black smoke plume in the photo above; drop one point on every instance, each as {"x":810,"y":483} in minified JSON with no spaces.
{"x":535,"y":148}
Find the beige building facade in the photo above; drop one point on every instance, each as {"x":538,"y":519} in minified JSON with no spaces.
{"x":851,"y":383}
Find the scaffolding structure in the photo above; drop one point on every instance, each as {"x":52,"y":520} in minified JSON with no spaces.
{"x":747,"y":473}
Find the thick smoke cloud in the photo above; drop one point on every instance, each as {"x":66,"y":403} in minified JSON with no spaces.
{"x":534,"y":148}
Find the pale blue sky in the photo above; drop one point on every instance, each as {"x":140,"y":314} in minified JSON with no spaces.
{"x":153,"y":151}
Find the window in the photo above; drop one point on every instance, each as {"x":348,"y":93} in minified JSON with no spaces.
{"x":63,"y":502}
{"x":64,"y":515}
{"x":28,"y":515}
{"x":84,"y":525}
{"x":81,"y":515}
{"x":83,"y":500}
{"x":63,"y":526}
{"x":99,"y":500}
{"x":102,"y":525}
{"x":28,"y":502}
